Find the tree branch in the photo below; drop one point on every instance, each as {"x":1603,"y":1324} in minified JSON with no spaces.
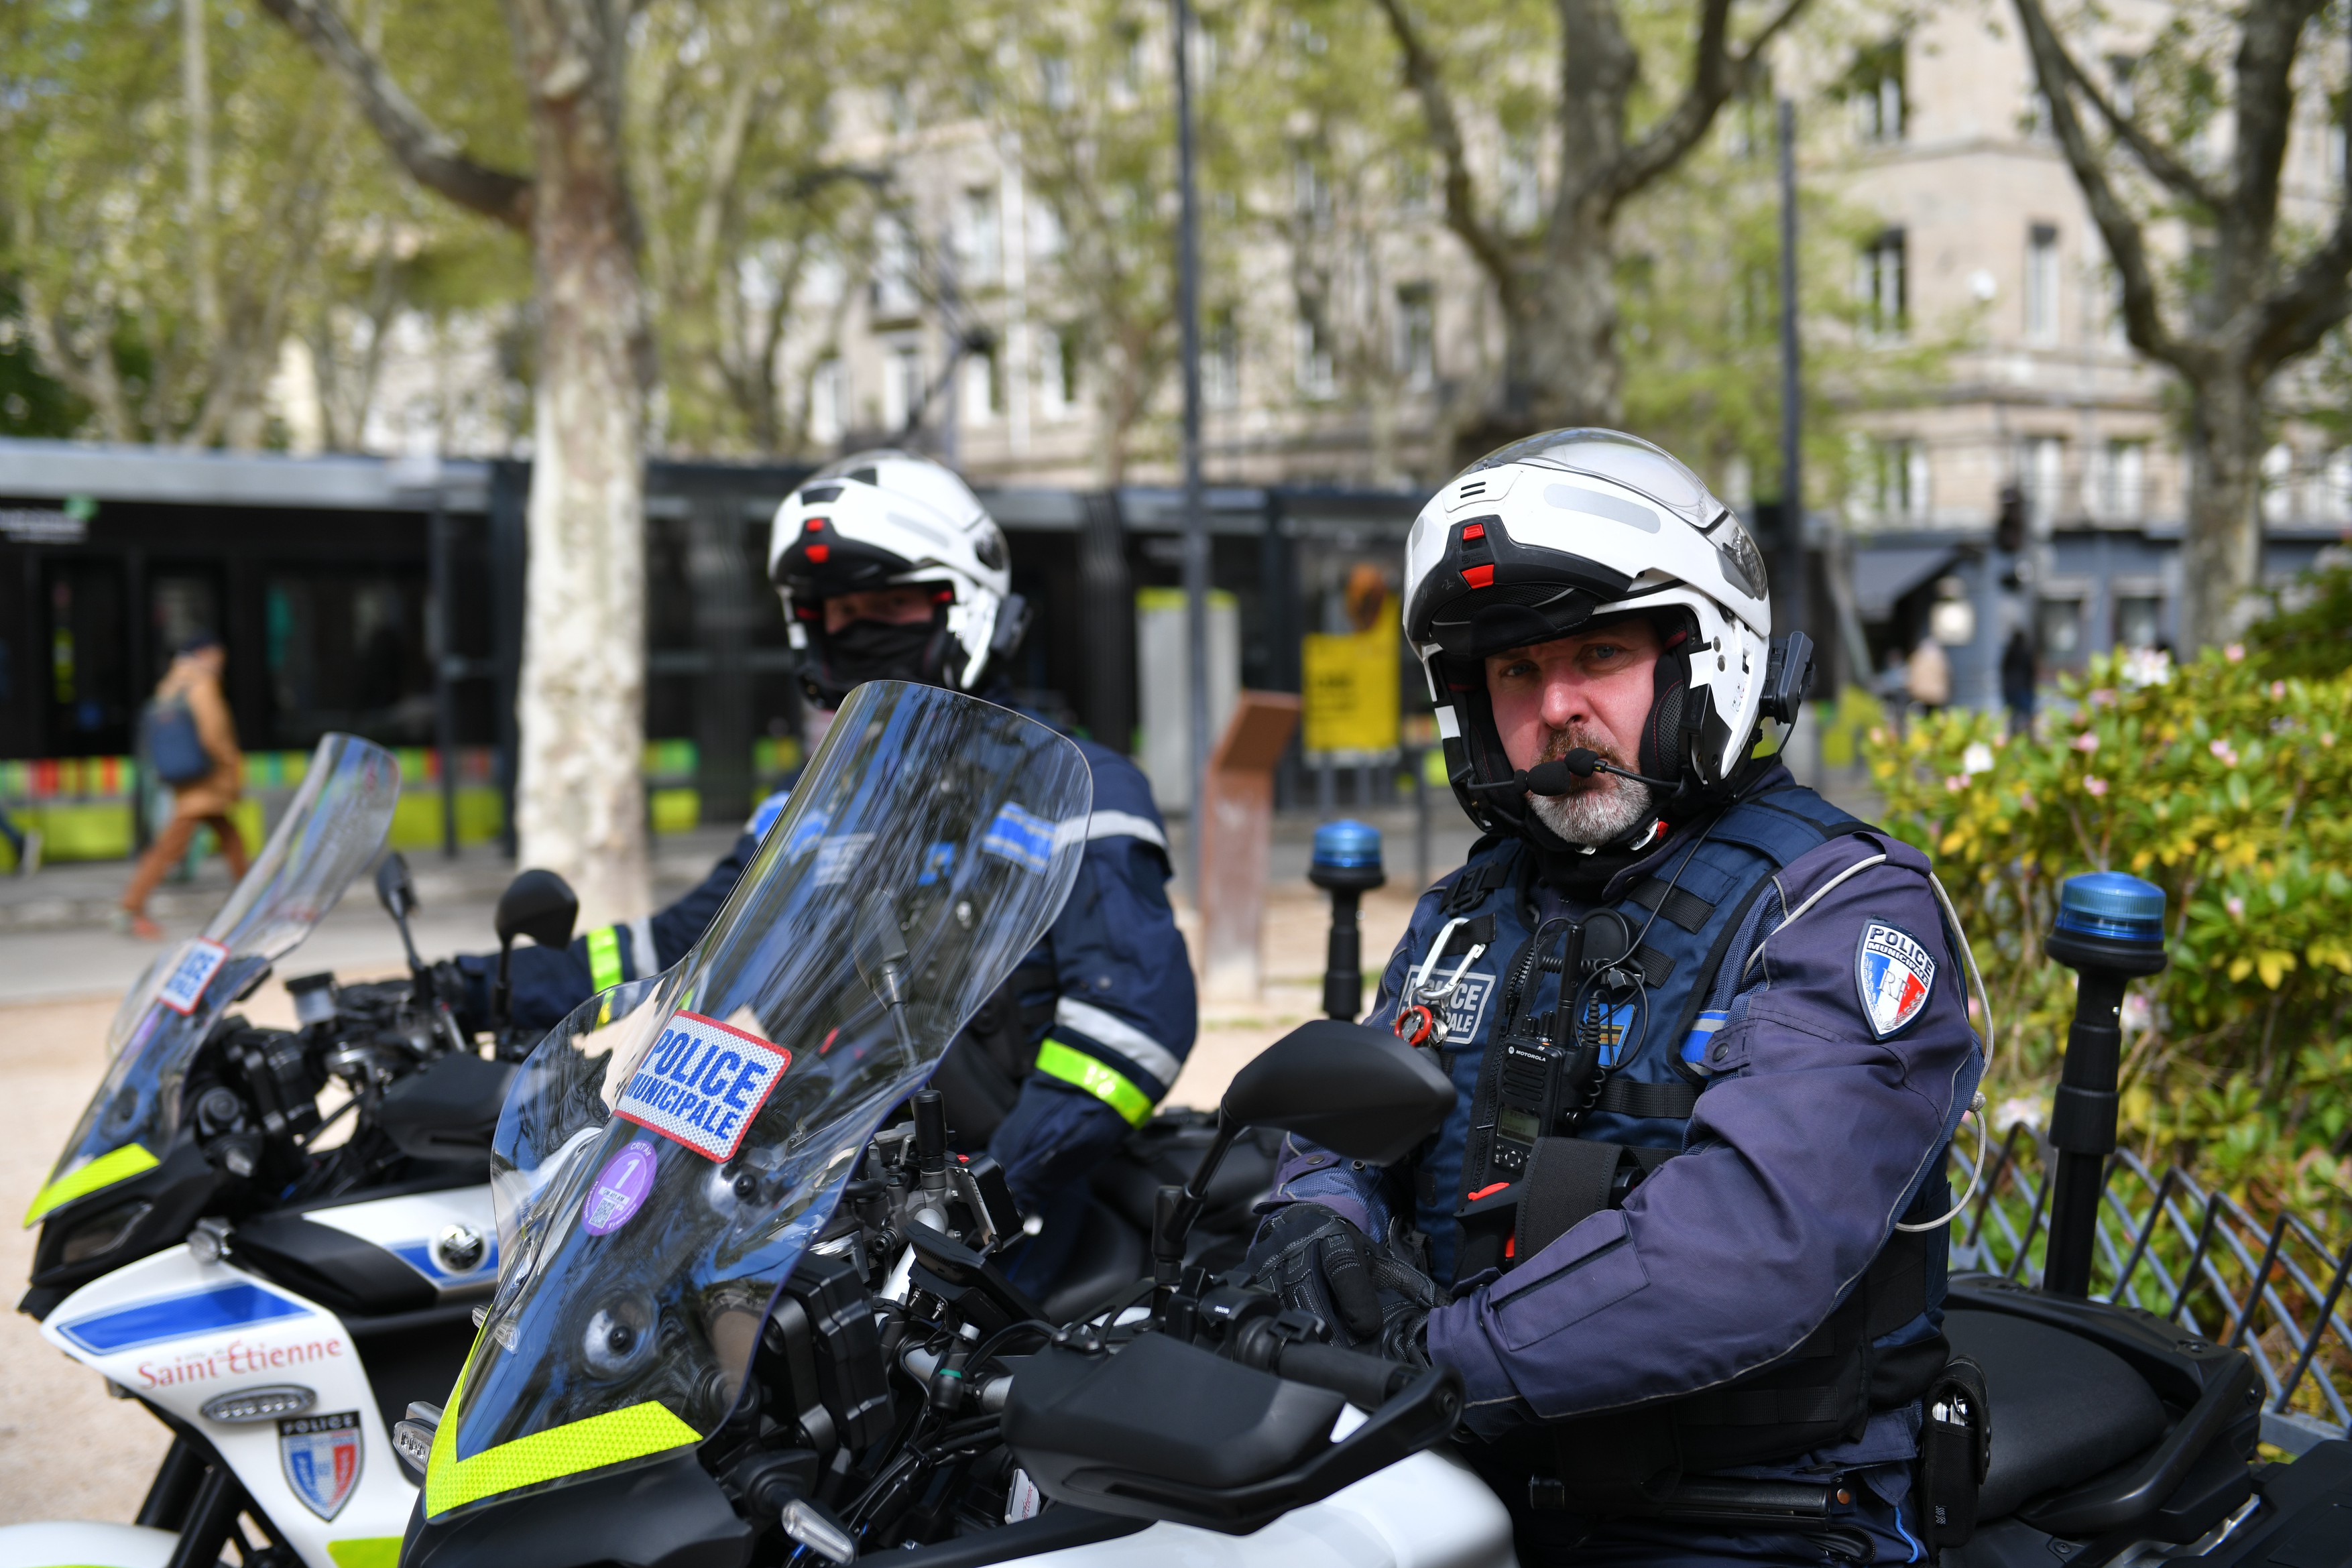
{"x":2264,"y":115}
{"x":2156,"y":158}
{"x":423,"y":148}
{"x":1713,"y":71}
{"x":2291,"y":319}
{"x":2127,"y":244}
{"x":1421,"y":75}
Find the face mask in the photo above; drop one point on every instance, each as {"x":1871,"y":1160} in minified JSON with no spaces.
{"x":872,"y":651}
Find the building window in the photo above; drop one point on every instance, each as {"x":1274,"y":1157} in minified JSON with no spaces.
{"x":1310,"y":193}
{"x":1876,"y":90}
{"x":894,"y":297}
{"x":980,"y":249}
{"x":2122,"y":481}
{"x":1046,"y":237}
{"x":1316,"y":376}
{"x":1220,"y":361}
{"x":2335,"y":486}
{"x":2140,"y":620}
{"x":1899,"y":480}
{"x":977,"y":402}
{"x":1416,"y":357}
{"x":2278,"y":483}
{"x":1057,"y":372}
{"x":1054,"y":82}
{"x":828,"y":403}
{"x":1884,"y":288}
{"x":2060,"y":621}
{"x":2041,"y":283}
{"x":1416,"y":192}
{"x":902,"y":385}
{"x":1522,"y":185}
{"x":2043,"y":475}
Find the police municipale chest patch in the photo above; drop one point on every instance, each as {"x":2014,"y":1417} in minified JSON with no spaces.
{"x":1896,"y":976}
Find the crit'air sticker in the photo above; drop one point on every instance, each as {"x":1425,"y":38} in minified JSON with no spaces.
{"x":321,"y":1457}
{"x":1894,"y":975}
{"x":1021,"y":837}
{"x":701,"y":1084}
{"x":1466,"y":1009}
{"x":183,"y":988}
{"x":620,"y":1189}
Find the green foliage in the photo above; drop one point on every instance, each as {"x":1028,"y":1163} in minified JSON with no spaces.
{"x":2228,"y":784}
{"x":2308,"y":631}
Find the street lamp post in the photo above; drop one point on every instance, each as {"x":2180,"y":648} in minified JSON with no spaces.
{"x":1196,"y":526}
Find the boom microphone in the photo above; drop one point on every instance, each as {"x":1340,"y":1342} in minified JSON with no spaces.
{"x":1552,"y":778}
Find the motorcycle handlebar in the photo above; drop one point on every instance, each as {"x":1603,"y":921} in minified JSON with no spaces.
{"x":1364,"y":1381}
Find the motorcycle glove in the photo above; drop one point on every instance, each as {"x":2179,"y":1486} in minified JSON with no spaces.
{"x":1370,"y":1298}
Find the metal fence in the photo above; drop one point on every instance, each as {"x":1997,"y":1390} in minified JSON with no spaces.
{"x":2168,"y":1244}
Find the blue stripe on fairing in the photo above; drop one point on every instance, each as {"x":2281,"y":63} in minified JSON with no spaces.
{"x":179,"y":1317}
{"x":419,"y":1255}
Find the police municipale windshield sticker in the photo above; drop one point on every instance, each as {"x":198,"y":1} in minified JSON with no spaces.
{"x":1896,"y":977}
{"x":183,"y":988}
{"x":701,"y":1084}
{"x":321,"y":1455}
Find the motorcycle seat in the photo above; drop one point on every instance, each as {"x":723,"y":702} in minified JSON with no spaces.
{"x":2062,"y":1409}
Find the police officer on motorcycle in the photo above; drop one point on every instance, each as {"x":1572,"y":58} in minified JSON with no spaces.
{"x":1710,"y":1039}
{"x":891,"y":570}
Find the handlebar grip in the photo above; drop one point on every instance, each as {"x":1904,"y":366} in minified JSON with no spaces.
{"x":1364,"y":1381}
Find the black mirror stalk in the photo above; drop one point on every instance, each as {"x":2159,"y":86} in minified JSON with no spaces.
{"x":540,"y":906}
{"x":1178,"y":1209}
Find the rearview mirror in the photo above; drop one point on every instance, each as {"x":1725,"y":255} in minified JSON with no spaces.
{"x":1357,"y":1091}
{"x":393,"y":888}
{"x":539,"y":904}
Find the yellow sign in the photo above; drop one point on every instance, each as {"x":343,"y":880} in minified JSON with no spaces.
{"x":1351,"y":688}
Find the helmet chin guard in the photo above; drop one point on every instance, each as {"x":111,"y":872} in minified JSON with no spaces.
{"x":884,"y":519}
{"x":1559,"y":533}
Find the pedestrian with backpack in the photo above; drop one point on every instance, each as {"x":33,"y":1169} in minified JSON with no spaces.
{"x":190,"y":741}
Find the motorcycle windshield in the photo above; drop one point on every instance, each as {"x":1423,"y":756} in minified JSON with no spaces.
{"x":669,"y":1150}
{"x":331,"y":830}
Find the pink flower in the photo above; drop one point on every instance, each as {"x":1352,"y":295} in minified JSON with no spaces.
{"x":2225,"y":751}
{"x":2103,"y":697}
{"x":2086,"y":741}
{"x":2235,"y":652}
{"x":2235,"y":905}
{"x":2278,"y":689}
{"x":1957,"y":782}
{"x":2096,"y":786}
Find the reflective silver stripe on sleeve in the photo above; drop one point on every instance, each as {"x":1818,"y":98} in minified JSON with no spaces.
{"x":641,"y":947}
{"x":1125,"y":825}
{"x":1120,"y":1036}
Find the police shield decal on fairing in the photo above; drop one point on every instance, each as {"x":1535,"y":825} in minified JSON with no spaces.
{"x":1896,"y":977}
{"x":702,"y":1083}
{"x":322,"y":1457}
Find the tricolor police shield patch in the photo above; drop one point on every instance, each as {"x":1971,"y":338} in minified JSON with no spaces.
{"x":1896,"y":977}
{"x":321,"y":1457}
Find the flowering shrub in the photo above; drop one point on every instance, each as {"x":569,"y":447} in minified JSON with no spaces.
{"x":2228,"y":783}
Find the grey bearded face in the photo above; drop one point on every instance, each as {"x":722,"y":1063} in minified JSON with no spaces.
{"x":1604,"y":808}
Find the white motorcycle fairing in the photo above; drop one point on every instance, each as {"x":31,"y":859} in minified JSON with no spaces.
{"x":1429,"y":1511}
{"x":182,"y":1334}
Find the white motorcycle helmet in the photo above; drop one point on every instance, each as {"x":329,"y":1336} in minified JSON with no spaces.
{"x":1553,"y":533}
{"x":882,"y":520}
